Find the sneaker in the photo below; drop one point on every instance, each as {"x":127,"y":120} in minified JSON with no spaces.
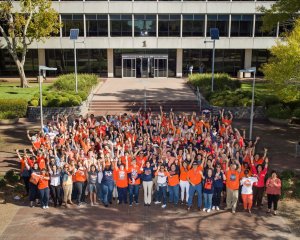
{"x":189,"y":208}
{"x":249,"y":211}
{"x":217,"y":208}
{"x":157,"y":202}
{"x":44,"y":207}
{"x":163,"y":206}
{"x":233,"y":211}
{"x":92,"y":204}
{"x":204,"y":209}
{"x":275,"y":213}
{"x":136,"y":203}
{"x":208,"y":210}
{"x":213,"y":208}
{"x":47,"y":207}
{"x":130,"y":205}
{"x":269,"y":211}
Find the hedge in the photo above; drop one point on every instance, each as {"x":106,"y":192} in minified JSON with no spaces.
{"x":18,"y":107}
{"x":222,"y":82}
{"x":279,"y":111}
{"x":62,"y":92}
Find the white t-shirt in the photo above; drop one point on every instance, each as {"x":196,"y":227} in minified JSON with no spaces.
{"x":161,"y":178}
{"x":247,"y":183}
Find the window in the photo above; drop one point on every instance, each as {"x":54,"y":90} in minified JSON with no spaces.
{"x":259,"y":32}
{"x":144,"y":25}
{"x":70,"y":21}
{"x":96,"y":25}
{"x":120,"y":25}
{"x":259,"y":56}
{"x":218,"y":21}
{"x":169,"y":25}
{"x":241,"y":25}
{"x":193,"y":25}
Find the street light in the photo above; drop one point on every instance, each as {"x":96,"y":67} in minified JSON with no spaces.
{"x":251,"y":70}
{"x":214,"y":35}
{"x":42,"y":74}
{"x":74,"y":33}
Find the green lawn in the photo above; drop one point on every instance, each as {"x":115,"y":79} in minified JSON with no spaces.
{"x":13,"y":91}
{"x":260,"y":88}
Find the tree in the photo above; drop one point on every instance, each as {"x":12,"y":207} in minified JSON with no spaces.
{"x":35,"y":21}
{"x":283,"y":11}
{"x":284,"y":65}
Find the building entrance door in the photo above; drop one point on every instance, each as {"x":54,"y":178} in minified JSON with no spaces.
{"x":144,"y":66}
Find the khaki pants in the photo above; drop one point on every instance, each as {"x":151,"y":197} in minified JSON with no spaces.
{"x":147,"y":191}
{"x":67,"y":192}
{"x":231,"y":198}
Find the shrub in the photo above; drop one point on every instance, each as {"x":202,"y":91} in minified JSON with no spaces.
{"x":296,"y":192}
{"x":296,"y":113}
{"x":34,"y":102}
{"x":285,"y":187}
{"x":12,"y":177}
{"x":8,"y":115}
{"x":17,"y":106}
{"x":2,"y":183}
{"x":271,"y":100}
{"x":222,"y":81}
{"x":279,"y":111}
{"x":287,"y":174}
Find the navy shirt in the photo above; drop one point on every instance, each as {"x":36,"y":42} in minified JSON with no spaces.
{"x":218,"y":183}
{"x":208,"y":185}
{"x":107,"y":175}
{"x":147,"y":174}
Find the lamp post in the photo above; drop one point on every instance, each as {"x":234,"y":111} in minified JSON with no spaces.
{"x":251,"y":70}
{"x":214,"y":35}
{"x":74,"y":33}
{"x":42,"y":74}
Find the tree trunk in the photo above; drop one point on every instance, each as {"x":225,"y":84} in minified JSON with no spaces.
{"x":23,"y":79}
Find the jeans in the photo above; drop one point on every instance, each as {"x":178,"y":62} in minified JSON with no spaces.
{"x":207,"y":200}
{"x":79,"y":191}
{"x":56,"y":194}
{"x":99,"y":191}
{"x":26,"y":183}
{"x":122,"y":194}
{"x":107,"y":189}
{"x":197,"y":188}
{"x":44,"y":196}
{"x":216,"y":201}
{"x":33,"y":192}
{"x":174,"y":194}
{"x":162,"y":194}
{"x":133,"y":191}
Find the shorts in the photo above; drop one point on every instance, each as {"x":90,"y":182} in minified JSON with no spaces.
{"x":92,"y":188}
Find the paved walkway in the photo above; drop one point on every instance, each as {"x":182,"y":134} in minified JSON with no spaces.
{"x":133,"y":89}
{"x":139,"y":222}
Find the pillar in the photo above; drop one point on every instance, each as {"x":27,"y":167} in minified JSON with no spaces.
{"x":110,"y":62}
{"x":248,"y":58}
{"x":179,"y":63}
{"x":42,"y":57}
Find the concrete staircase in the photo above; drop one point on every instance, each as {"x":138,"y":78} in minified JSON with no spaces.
{"x":99,"y":107}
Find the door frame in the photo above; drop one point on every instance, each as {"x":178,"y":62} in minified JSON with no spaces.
{"x":134,"y":69}
{"x":156,"y":69}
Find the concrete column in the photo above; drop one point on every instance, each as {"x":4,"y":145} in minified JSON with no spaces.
{"x":248,"y":58}
{"x":110,"y":62}
{"x":179,"y":63}
{"x":42,"y":57}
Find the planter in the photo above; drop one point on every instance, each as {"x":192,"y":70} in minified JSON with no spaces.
{"x":279,"y":121}
{"x":9,"y":121}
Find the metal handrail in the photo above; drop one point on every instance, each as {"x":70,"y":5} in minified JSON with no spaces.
{"x":199,"y":99}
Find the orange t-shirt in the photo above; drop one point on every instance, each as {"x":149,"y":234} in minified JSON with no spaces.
{"x":121,"y":178}
{"x":194,"y":176}
{"x":183,"y":174}
{"x":80,"y":176}
{"x":233,"y":179}
{"x":41,"y":161}
{"x":43,"y":183}
{"x":227,"y":122}
{"x":173,"y":180}
{"x":135,"y":171}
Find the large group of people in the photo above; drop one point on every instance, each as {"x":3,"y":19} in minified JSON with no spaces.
{"x":196,"y":161}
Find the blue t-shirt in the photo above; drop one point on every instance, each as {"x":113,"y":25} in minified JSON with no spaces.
{"x":218,"y":183}
{"x":107,"y":176}
{"x":147,"y":174}
{"x":208,"y":185}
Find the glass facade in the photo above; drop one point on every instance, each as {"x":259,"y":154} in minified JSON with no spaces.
{"x":259,"y":32}
{"x":169,"y":25}
{"x":170,"y":52}
{"x":193,"y":25}
{"x":120,"y":25}
{"x":218,"y":21}
{"x":70,"y":21}
{"x":259,"y":56}
{"x":145,"y":25}
{"x":226,"y":60}
{"x":88,"y":61}
{"x":9,"y":68}
{"x":241,"y":26}
{"x":96,"y":25}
